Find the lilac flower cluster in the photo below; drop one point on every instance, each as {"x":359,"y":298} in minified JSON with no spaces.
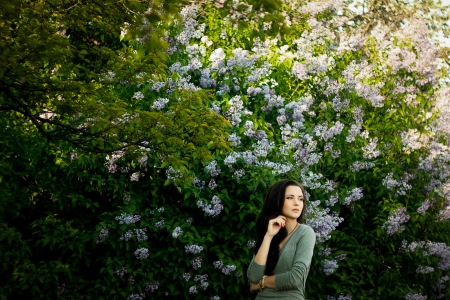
{"x":131,"y":280}
{"x":396,"y":219}
{"x":424,"y":207}
{"x":238,"y":174}
{"x":358,"y":166}
{"x":322,"y":223}
{"x":173,"y":174}
{"x":202,"y":279}
{"x":111,"y":160}
{"x":61,"y":288}
{"x":353,"y":196}
{"x":332,"y":201}
{"x":136,"y":296}
{"x":251,"y":244}
{"x":415,"y":297}
{"x":401,"y":186}
{"x":151,"y":286}
{"x":141,"y":253}
{"x":127,"y":235}
{"x":135,"y":176}
{"x":177,"y":232}
{"x":140,"y":234}
{"x":125,"y":218}
{"x":159,"y":224}
{"x":159,"y":103}
{"x":102,"y":235}
{"x":193,"y":290}
{"x":214,"y":297}
{"x":324,"y":251}
{"x":369,"y":151}
{"x":198,"y":183}
{"x":138,"y":96}
{"x":340,"y":297}
{"x":196,"y":263}
{"x":212,"y":169}
{"x":424,"y":270}
{"x":194,"y":249}
{"x":212,"y":184}
{"x":121,"y":272}
{"x":186,"y":277}
{"x":127,"y":196}
{"x":212,"y":209}
{"x":329,"y":266}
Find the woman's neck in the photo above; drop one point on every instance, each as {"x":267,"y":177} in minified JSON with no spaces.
{"x":290,"y":225}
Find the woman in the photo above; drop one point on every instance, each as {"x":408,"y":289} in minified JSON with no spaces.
{"x":284,"y":246}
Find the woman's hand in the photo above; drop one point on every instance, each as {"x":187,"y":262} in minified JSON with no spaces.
{"x":254,"y":287}
{"x":275,"y":225}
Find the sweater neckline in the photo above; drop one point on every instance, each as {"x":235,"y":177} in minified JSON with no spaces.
{"x":290,"y":237}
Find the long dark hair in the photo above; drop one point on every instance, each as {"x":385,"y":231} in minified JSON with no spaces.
{"x":273,"y":206}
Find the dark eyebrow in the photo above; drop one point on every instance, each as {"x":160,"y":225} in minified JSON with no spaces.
{"x":292,"y":196}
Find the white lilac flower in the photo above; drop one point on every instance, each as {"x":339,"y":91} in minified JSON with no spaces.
{"x":329,"y":266}
{"x":196,"y":263}
{"x":212,"y":184}
{"x":159,"y":224}
{"x":159,"y":103}
{"x":212,"y":169}
{"x":238,"y":174}
{"x":228,"y":269}
{"x":218,"y":264}
{"x":194,"y":249}
{"x":126,"y":236}
{"x":415,"y":297}
{"x":424,"y":270}
{"x":138,"y":96}
{"x":353,"y":196}
{"x":136,"y":296}
{"x":125,"y":218}
{"x":141,"y":253}
{"x":176,"y":232}
{"x":121,"y":272}
{"x":140,"y":234}
{"x":151,"y":286}
{"x":212,"y":209}
{"x":322,"y":223}
{"x":193,"y":290}
{"x":186,"y":277}
{"x":251,"y":244}
{"x":396,"y":219}
{"x":424,"y":207}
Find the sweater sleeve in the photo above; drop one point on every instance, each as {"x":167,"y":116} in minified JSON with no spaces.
{"x":255,"y":271}
{"x":301,"y":263}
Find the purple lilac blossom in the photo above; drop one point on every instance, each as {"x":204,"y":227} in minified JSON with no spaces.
{"x":194,"y":249}
{"x":141,"y":253}
{"x":151,"y":286}
{"x":125,"y":218}
{"x":196,"y":263}
{"x":396,"y":219}
{"x":102,"y":235}
{"x":176,"y":232}
{"x":212,"y":209}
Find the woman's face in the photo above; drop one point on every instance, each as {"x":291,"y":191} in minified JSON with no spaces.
{"x":293,"y":202}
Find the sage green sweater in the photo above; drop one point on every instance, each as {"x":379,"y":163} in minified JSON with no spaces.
{"x":292,"y":268}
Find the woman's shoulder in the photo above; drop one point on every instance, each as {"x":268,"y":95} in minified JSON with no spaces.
{"x":307,"y":230}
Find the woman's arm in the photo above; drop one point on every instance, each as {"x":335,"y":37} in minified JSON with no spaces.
{"x":302,"y":261}
{"x":256,"y":269}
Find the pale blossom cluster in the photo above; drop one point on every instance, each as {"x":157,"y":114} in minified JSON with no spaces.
{"x":125,"y":218}
{"x":177,"y":232}
{"x":353,"y":196}
{"x":121,"y":272}
{"x":329,"y":266}
{"x":394,"y":223}
{"x":141,"y":253}
{"x":415,"y":297}
{"x":151,"y":286}
{"x":212,"y":169}
{"x":211,"y":209}
{"x":196,"y":263}
{"x":413,"y":140}
{"x":359,"y":166}
{"x":202,"y":280}
{"x":321,"y":222}
{"x":136,"y":296}
{"x":102,"y":235}
{"x":195,"y":249}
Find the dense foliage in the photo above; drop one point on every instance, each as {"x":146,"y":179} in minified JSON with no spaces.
{"x":353,"y":117}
